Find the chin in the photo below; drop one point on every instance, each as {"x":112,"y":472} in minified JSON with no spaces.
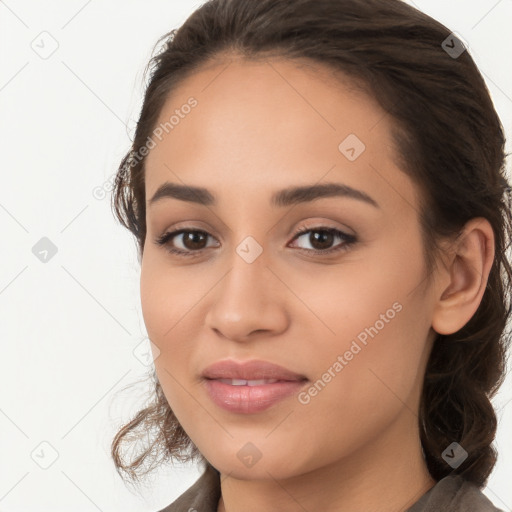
{"x":240,"y":466}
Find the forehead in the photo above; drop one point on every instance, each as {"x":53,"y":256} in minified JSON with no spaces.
{"x":264,"y":125}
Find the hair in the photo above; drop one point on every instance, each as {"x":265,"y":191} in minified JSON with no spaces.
{"x":450,"y":143}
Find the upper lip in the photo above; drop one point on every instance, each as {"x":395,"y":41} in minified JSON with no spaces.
{"x":249,"y":370}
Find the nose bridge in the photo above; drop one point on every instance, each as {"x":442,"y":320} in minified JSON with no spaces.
{"x":248,"y":264}
{"x":246,"y":298}
{"x":251,"y":239}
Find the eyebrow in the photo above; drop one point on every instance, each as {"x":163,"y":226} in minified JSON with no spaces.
{"x":286,"y":197}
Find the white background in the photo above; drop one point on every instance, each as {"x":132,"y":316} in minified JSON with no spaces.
{"x":69,"y":327}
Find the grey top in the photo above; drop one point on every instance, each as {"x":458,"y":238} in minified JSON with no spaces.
{"x":451,"y":494}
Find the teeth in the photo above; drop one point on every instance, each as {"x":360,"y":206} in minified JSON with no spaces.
{"x":242,"y":382}
{"x":260,"y":382}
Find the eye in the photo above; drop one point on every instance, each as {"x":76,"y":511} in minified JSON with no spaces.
{"x":323,"y":236}
{"x":194,"y":240}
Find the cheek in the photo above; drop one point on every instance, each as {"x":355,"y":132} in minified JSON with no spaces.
{"x":170,"y":298}
{"x":163,"y":305}
{"x":168,"y":294}
{"x":375,"y":358}
{"x":366,"y":299}
{"x":164,"y":309}
{"x":379,"y":325}
{"x":365,"y":377}
{"x":153,"y":300}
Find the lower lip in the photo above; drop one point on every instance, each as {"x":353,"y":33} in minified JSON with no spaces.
{"x":250,"y":399}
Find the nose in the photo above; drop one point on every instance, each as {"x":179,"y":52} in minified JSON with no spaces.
{"x":249,"y":301}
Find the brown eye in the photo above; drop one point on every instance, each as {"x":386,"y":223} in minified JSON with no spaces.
{"x":188,"y":241}
{"x":194,"y":240}
{"x":322,"y":238}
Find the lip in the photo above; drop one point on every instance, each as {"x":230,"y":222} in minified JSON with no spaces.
{"x":249,"y":370}
{"x":246,"y":399}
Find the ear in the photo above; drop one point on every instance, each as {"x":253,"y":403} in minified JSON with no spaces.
{"x":463,"y":280}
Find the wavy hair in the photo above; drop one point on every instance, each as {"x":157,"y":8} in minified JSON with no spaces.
{"x":450,"y":143}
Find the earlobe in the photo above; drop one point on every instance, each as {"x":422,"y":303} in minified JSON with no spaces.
{"x":465,"y":277}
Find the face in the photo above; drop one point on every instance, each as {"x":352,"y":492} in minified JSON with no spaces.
{"x":342,"y":304}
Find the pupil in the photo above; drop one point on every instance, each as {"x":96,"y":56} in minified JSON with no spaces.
{"x":326,"y":236}
{"x":193,"y":237}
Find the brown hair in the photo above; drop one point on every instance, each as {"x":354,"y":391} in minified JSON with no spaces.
{"x":451,"y":144}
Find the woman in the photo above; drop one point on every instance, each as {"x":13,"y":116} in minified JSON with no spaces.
{"x":318,"y":193}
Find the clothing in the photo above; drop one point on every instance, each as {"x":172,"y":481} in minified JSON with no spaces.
{"x":450,"y":494}
{"x":202,"y":496}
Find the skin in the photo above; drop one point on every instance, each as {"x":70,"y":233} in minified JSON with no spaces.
{"x":260,"y":127}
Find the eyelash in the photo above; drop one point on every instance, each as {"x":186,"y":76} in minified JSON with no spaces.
{"x":349,"y":240}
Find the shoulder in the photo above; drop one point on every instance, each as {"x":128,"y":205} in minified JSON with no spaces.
{"x":202,"y":496}
{"x":454,"y":494}
{"x":450,"y":494}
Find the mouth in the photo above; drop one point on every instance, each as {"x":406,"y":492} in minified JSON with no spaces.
{"x":250,"y":387}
